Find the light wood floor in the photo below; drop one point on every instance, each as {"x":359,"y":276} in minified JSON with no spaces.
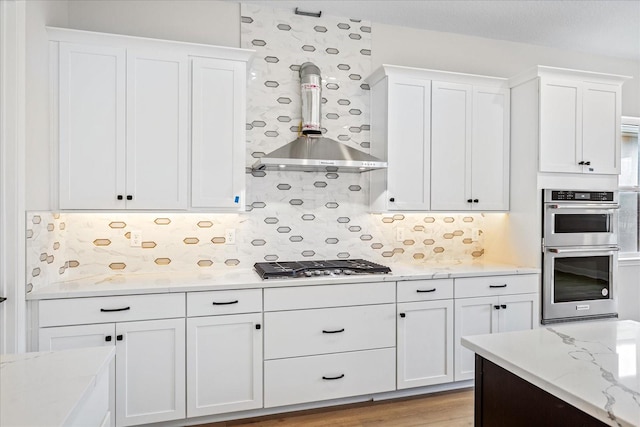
{"x":447,"y":409}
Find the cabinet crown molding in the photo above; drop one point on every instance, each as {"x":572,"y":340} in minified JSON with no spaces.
{"x":564,"y":73}
{"x":386,"y":70}
{"x":117,"y":40}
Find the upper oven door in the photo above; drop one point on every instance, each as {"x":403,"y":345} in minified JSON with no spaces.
{"x":567,"y":224}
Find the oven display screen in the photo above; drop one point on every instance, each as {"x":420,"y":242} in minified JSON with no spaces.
{"x":582,"y":278}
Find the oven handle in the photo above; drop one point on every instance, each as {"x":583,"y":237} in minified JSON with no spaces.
{"x":585,"y":206}
{"x":570,"y":250}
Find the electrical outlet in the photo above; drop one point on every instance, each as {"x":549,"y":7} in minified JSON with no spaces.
{"x":475,"y":234}
{"x":400,"y":233}
{"x":230,"y":236}
{"x":136,"y":238}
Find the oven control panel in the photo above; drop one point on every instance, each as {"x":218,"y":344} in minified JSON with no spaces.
{"x":579,"y":196}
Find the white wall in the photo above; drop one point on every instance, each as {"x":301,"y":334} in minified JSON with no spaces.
{"x":197,"y":21}
{"x":475,"y":55}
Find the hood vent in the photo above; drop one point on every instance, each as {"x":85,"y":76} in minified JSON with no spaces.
{"x":311,"y":152}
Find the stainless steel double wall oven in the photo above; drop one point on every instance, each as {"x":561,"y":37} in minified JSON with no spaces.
{"x":579,"y":255}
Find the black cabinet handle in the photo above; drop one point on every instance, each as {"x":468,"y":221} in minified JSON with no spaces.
{"x":258,"y":326}
{"x":498,"y":286}
{"x":107,"y":338}
{"x":225,"y":303}
{"x":109,"y":310}
{"x":402,"y":315}
{"x":129,"y":197}
{"x":333,"y":378}
{"x":581,"y":163}
{"x":337,"y":331}
{"x":476,"y":201}
{"x":469,"y":200}
{"x":421,"y":291}
{"x":497,"y":307}
{"x":119,"y":197}
{"x":587,"y":163}
{"x":392,"y":199}
{"x":3,"y":299}
{"x":503,"y":305}
{"x":119,"y":337}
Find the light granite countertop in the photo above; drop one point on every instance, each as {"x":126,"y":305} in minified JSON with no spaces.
{"x":48,"y":388}
{"x":245,"y":278}
{"x":594,"y":366}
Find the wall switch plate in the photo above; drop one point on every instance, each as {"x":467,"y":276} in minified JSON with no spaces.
{"x":475,"y":234}
{"x":136,"y":238}
{"x":400,"y":234}
{"x":230,"y":236}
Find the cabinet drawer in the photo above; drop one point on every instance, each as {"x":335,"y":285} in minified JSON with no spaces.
{"x":328,"y":330}
{"x":224,"y":302}
{"x":76,"y":311}
{"x":425,"y":290}
{"x":309,"y":379}
{"x":320,"y":296}
{"x":496,"y":285}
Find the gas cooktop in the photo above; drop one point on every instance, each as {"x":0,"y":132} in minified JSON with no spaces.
{"x":338,"y":267}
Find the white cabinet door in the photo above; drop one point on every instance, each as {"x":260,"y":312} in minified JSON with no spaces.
{"x":70,"y":337}
{"x":451,"y":108}
{"x":157,"y":145}
{"x":409,"y":134}
{"x":601,"y":128}
{"x":490,"y":149}
{"x":218,"y":134}
{"x":150,"y":371}
{"x":91,"y":127}
{"x":560,"y":126}
{"x":425,"y":343}
{"x":518,"y":312}
{"x":474,"y":316}
{"x":224,"y":364}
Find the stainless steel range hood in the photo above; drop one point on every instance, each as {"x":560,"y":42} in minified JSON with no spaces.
{"x":312,"y":152}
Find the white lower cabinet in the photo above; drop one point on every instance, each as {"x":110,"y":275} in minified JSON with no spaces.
{"x":150,"y":357}
{"x":487,"y":315}
{"x":425,"y":343}
{"x":224,"y":364}
{"x":328,"y":342}
{"x":329,"y":376}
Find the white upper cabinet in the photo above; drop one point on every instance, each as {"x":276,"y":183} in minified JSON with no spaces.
{"x":218,"y":133}
{"x":579,"y":119}
{"x":124,"y":121}
{"x":445,"y":137}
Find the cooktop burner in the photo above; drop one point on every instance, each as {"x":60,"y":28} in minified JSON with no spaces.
{"x":338,"y":267}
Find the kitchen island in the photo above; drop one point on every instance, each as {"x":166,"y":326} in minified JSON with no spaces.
{"x":59,"y":388}
{"x":584,"y":374}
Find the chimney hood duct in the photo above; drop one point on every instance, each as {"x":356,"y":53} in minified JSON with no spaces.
{"x":312,"y":152}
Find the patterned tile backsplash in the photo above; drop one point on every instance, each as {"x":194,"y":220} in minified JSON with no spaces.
{"x":290,"y":215}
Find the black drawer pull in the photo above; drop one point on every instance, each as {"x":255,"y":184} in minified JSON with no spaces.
{"x":421,"y":291}
{"x":225,"y":303}
{"x":107,"y":338}
{"x":119,"y":197}
{"x":587,"y":163}
{"x":476,"y":201}
{"x":333,"y":378}
{"x":337,"y":331}
{"x":258,"y":326}
{"x":109,"y":310}
{"x":119,"y":337}
{"x":469,"y":201}
{"x":129,"y":197}
{"x":498,"y":286}
{"x":392,"y":199}
{"x":402,"y":315}
{"x":497,"y":307}
{"x":503,"y":305}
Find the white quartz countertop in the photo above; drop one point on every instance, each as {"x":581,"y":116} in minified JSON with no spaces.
{"x":245,"y":278}
{"x":46,"y":389}
{"x":594,"y":366}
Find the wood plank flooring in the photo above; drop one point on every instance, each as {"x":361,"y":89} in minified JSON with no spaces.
{"x":447,"y":409}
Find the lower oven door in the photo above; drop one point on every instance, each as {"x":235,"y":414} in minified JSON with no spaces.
{"x":579,"y":282}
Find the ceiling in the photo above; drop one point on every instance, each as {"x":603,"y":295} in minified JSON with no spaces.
{"x":601,"y":27}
